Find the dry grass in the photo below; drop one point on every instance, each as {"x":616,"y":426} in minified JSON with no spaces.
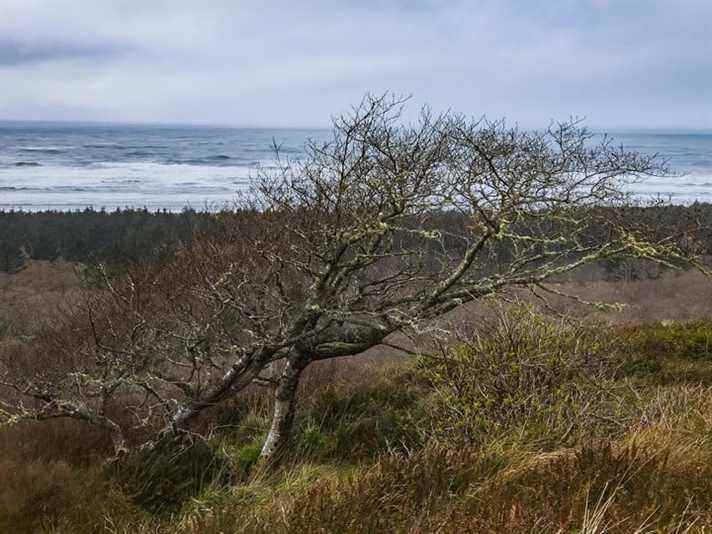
{"x":654,"y":478}
{"x":676,"y":296}
{"x":33,"y":295}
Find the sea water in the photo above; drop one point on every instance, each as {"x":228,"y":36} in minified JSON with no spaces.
{"x":67,"y":166}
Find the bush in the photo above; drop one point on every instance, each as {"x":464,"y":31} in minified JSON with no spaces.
{"x":677,"y":339}
{"x":521,"y":368}
{"x":162,"y":477}
{"x":247,"y":455}
{"x":668,"y":352}
{"x":360,"y":420}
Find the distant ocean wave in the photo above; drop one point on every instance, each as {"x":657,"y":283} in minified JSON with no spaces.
{"x":14,"y":188}
{"x":74,"y":166}
{"x":45,"y":149}
{"x":683,"y":189}
{"x":219,"y":159}
{"x":119,"y":146}
{"x":103,"y":145}
{"x":120,"y":170}
{"x":171,"y":188}
{"x":153,"y":203}
{"x":121,"y":184}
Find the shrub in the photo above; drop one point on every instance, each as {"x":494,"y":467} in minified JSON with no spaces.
{"x":163,"y":476}
{"x":355,"y":421}
{"x":679,"y":339}
{"x":520,"y":368}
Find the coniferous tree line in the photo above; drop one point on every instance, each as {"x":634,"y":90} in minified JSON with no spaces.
{"x":126,"y":236}
{"x":134,"y":236}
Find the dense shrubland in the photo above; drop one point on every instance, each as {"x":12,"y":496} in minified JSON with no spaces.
{"x":522,"y":369}
{"x":376,"y":448}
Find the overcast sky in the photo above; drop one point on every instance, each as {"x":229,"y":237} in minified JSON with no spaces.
{"x":620,"y":63}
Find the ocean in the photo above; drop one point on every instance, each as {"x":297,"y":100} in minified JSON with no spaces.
{"x":67,"y":166}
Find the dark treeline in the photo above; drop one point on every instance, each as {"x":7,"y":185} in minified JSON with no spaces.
{"x":118,"y":237}
{"x":139,"y":236}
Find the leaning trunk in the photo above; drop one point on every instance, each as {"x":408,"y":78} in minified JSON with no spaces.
{"x":280,"y":431}
{"x":236,"y":379}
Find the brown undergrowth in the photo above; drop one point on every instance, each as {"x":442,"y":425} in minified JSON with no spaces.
{"x":540,"y":425}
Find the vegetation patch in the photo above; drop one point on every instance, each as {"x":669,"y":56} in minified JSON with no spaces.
{"x":691,"y":340}
{"x":523,"y":370}
{"x":162,"y":477}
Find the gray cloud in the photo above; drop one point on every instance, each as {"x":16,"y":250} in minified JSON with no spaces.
{"x":618,"y":62}
{"x":16,"y":53}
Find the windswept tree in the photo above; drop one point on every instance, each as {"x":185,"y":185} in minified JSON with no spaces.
{"x":385,"y":228}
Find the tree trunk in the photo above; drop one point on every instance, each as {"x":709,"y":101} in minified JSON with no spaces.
{"x":235,"y":380}
{"x":117,"y":440}
{"x":280,"y":431}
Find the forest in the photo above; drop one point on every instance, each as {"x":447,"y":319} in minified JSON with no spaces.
{"x":117,"y":237}
{"x":130,"y":237}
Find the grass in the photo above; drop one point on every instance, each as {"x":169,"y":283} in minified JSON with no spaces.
{"x":538,"y":425}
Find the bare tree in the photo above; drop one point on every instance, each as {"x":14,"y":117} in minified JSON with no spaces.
{"x":383,"y":229}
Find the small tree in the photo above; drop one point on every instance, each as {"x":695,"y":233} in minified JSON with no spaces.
{"x":382,"y":229}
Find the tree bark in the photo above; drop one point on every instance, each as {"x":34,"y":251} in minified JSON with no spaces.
{"x":235,"y":380}
{"x":280,"y":432}
{"x":117,"y":437}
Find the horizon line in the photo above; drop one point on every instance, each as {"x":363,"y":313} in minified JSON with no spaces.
{"x":237,"y":126}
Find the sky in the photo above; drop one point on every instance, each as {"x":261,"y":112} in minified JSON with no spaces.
{"x":618,"y":63}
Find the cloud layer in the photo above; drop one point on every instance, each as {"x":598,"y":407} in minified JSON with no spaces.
{"x":621,"y":63}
